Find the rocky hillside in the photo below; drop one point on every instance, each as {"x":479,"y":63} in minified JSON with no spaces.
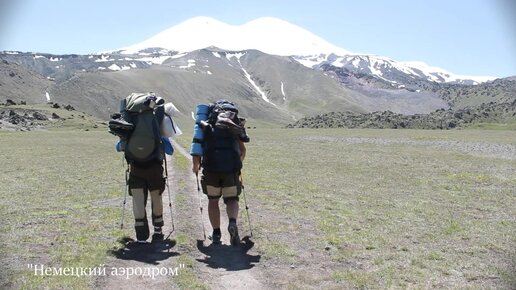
{"x":439,"y":119}
{"x":265,"y":87}
{"x":497,"y":91}
{"x":418,"y":96}
{"x":270,"y":88}
{"x":23,"y":117}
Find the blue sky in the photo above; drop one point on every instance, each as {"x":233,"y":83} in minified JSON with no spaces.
{"x":469,"y":37}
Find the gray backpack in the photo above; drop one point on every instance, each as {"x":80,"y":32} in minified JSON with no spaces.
{"x":145,"y":112}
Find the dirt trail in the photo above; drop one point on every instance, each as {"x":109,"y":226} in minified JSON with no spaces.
{"x":140,"y":260}
{"x":221,"y":266}
{"x":218,"y":266}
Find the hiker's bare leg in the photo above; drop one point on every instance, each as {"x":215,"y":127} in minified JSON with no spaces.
{"x":214,"y":213}
{"x":232,"y":208}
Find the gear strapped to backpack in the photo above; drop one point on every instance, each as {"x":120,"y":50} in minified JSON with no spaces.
{"x":217,"y":130}
{"x":138,"y":125}
{"x":224,"y":115}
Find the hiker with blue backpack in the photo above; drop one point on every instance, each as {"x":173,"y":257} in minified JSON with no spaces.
{"x":218,"y":148}
{"x":144,"y":126}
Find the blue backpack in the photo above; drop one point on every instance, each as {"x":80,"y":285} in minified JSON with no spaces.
{"x":216,"y":133}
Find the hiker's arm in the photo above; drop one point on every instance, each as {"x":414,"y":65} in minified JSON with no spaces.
{"x":196,"y":164}
{"x":242,"y":150}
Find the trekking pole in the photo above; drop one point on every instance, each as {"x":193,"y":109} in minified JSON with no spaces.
{"x":125,"y":196}
{"x":200,"y":205}
{"x":169,"y":198}
{"x":245,"y":202}
{"x":170,"y":206}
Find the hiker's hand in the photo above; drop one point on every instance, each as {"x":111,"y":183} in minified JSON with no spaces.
{"x":196,"y":164}
{"x":195,"y":170}
{"x":242,"y":150}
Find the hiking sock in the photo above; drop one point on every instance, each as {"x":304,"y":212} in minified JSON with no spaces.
{"x":157,"y":230}
{"x":157,"y":221}
{"x":232,"y":220}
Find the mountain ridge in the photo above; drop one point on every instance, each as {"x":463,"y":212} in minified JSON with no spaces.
{"x":279,"y":37}
{"x":268,"y":86}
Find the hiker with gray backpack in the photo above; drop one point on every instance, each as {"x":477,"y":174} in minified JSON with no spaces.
{"x":144,"y":125}
{"x":218,"y":148}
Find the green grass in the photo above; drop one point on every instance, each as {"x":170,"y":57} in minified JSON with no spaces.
{"x":277,"y":250}
{"x":188,"y":278}
{"x":355,"y":279}
{"x":182,"y":162}
{"x":352,"y":214}
{"x":387,"y":205}
{"x":61,"y":198}
{"x":494,"y":126}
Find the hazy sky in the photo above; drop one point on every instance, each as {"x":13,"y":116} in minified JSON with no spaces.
{"x":468,"y":37}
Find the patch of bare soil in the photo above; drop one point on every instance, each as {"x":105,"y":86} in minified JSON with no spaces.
{"x":140,"y":266}
{"x":244,"y":267}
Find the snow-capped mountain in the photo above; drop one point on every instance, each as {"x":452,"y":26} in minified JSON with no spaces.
{"x":274,"y":70}
{"x":278,"y":37}
{"x":389,"y":70}
{"x":267,"y":34}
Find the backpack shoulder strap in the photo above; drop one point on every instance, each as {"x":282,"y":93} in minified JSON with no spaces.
{"x":159,"y":112}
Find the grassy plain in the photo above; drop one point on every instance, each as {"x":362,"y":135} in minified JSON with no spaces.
{"x":60,"y":200}
{"x":329,"y":208}
{"x":386,"y":208}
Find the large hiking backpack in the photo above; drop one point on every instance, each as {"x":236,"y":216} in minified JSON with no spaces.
{"x":144,"y":112}
{"x":221,"y":130}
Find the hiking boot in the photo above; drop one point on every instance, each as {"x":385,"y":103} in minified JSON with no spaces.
{"x":233,"y":233}
{"x":157,"y":237}
{"x":215,"y":238}
{"x":158,"y":234}
{"x":142,"y":234}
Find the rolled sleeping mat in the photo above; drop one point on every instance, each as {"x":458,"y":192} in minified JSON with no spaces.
{"x":196,"y":148}
{"x":201,"y":114}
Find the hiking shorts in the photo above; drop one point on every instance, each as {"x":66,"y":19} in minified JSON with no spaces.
{"x":226,"y":185}
{"x":149,"y":178}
